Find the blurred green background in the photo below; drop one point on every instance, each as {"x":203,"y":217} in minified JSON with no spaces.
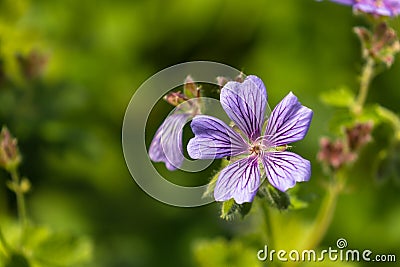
{"x":69,"y":68}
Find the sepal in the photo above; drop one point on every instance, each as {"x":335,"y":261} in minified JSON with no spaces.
{"x":231,"y":210}
{"x":274,"y":197}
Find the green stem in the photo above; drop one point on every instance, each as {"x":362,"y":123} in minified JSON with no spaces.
{"x":20,"y":198}
{"x":6,"y":247}
{"x":324,"y":216}
{"x":365,"y":80}
{"x":323,"y":219}
{"x":268,"y":222}
{"x":392,"y":118}
{"x":269,"y":229}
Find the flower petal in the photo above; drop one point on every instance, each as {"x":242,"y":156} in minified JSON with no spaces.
{"x":384,"y":8}
{"x":245,"y":104}
{"x":289,"y":122}
{"x":239,"y":180}
{"x":344,"y":2}
{"x":284,"y":169}
{"x":167,"y":142}
{"x":214,"y":139}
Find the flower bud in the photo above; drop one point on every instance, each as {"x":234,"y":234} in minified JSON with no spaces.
{"x":221,"y":80}
{"x":382,"y":44}
{"x":9,"y":154}
{"x":334,"y":154}
{"x":33,"y":64}
{"x":359,"y":135}
{"x":240,"y":78}
{"x":190,"y":89}
{"x":25,"y":185}
{"x":175,"y":98}
{"x":365,"y":37}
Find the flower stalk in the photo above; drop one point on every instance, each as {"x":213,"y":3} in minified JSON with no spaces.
{"x":324,"y":215}
{"x":18,"y":188}
{"x":10,"y":159}
{"x":268,"y":224}
{"x":4,"y":244}
{"x":365,"y":80}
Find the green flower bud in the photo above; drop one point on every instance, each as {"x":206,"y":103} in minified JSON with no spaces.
{"x":190,"y":88}
{"x":175,"y":98}
{"x":382,"y":44}
{"x":10,"y":157}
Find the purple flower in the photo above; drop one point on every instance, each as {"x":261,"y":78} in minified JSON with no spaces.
{"x":378,"y":7}
{"x":167,"y":142}
{"x":166,"y":145}
{"x":258,"y":150}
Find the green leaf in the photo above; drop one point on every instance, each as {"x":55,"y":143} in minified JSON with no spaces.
{"x":244,"y":209}
{"x":384,"y":114}
{"x":296,"y":203}
{"x":64,"y":249}
{"x":39,"y":246}
{"x":342,"y":118}
{"x":341,"y":97}
{"x":388,"y":166}
{"x":43,"y":247}
{"x":230,"y":209}
{"x":275,"y":198}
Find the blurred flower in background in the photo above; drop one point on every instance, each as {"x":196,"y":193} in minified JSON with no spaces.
{"x":9,"y":154}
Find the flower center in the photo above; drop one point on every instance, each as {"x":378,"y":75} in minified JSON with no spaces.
{"x":258,"y":147}
{"x":261,"y":146}
{"x":379,"y":3}
{"x":255,"y":149}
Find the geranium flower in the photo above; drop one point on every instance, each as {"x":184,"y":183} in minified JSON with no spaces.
{"x":257,"y":149}
{"x":167,"y":142}
{"x":166,"y":145}
{"x":378,"y":7}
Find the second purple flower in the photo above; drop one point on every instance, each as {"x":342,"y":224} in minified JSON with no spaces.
{"x":258,"y":150}
{"x":388,"y":8}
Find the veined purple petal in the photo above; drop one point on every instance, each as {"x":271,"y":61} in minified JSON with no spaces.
{"x":288,"y":123}
{"x":344,"y":2}
{"x":245,"y":104}
{"x":167,"y":142}
{"x":284,"y":169}
{"x":382,"y":8}
{"x":239,"y":180}
{"x":214,"y":139}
